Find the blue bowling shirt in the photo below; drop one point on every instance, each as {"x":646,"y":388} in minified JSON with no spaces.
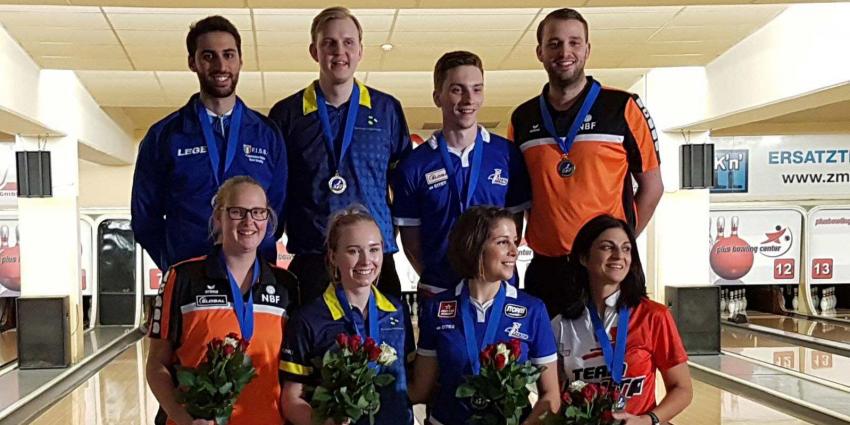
{"x":441,"y":335}
{"x":423,"y":198}
{"x":312,"y":331}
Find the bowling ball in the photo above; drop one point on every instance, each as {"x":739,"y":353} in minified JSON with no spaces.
{"x":10,"y":268}
{"x":283,"y":256}
{"x":731,"y":258}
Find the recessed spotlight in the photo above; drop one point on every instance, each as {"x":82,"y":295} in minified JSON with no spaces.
{"x":386,"y":47}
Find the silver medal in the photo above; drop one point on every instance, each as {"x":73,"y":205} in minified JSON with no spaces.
{"x":337,"y":184}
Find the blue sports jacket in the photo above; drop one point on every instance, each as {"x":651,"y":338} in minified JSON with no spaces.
{"x":173,"y":184}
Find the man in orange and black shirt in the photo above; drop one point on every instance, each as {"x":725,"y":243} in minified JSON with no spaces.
{"x":583,"y":144}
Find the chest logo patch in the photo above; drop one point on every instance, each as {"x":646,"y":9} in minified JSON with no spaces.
{"x":447,"y":309}
{"x":496,"y":178}
{"x":515,"y":311}
{"x":211,"y":300}
{"x":436,"y":176}
{"x":514,"y":332}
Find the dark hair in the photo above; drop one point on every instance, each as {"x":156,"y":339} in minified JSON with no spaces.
{"x":209,"y":24}
{"x":468,"y":236}
{"x":564,"y":14}
{"x":453,"y":60}
{"x":632,"y":288}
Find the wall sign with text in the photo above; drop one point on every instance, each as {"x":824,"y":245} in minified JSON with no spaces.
{"x":828,"y":247}
{"x":755,"y":246}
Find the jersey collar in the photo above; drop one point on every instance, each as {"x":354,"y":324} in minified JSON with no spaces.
{"x":190,"y":116}
{"x":510,"y":290}
{"x":432,"y":141}
{"x":214,"y":268}
{"x":335,"y":307}
{"x":310,"y":105}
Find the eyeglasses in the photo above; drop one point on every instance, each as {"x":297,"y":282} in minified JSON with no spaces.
{"x":239,"y":213}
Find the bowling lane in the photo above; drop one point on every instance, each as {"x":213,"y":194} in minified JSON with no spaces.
{"x":117,"y":394}
{"x":829,"y":330}
{"x":818,"y":364}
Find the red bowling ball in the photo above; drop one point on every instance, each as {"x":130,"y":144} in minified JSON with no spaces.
{"x":731,"y":258}
{"x":10,"y":268}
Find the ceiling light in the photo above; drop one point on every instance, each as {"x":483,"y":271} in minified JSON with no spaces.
{"x":386,"y":47}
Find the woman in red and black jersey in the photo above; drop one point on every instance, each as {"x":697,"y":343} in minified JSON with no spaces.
{"x":612,"y":332}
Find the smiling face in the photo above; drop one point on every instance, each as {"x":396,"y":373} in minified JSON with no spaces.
{"x":609,"y":258}
{"x":242,"y":235}
{"x":498,"y":258}
{"x":358,"y":254}
{"x":338,"y":50}
{"x":460,"y":97}
{"x":217,"y":63}
{"x":564,"y":51}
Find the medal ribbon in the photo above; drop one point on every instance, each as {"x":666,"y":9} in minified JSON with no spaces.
{"x":244,"y":309}
{"x":348,"y":131}
{"x":212,"y":146}
{"x":374,"y":333}
{"x":456,"y":180}
{"x":473,"y":351}
{"x":614,"y":356}
{"x":566,"y":143}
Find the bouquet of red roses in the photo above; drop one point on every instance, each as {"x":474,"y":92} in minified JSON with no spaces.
{"x":499,"y":393}
{"x":349,"y":386}
{"x":210,"y":390}
{"x":585,"y":404}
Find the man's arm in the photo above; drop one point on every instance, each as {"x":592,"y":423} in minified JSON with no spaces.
{"x":411,"y":242}
{"x":147,"y":204}
{"x":650,"y":189}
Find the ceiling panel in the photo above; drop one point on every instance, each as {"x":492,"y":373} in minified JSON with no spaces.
{"x":172,"y":19}
{"x":720,"y":16}
{"x":464,"y":19}
{"x":87,"y":18}
{"x":422,"y":57}
{"x":702,"y":33}
{"x":26,"y":35}
{"x":82,"y":62}
{"x":454,"y":38}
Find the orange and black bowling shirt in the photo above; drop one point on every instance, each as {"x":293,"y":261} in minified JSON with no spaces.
{"x":616,"y":141}
{"x":194,"y":306}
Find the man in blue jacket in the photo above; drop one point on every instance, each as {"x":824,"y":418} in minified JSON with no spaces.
{"x":185,"y":157}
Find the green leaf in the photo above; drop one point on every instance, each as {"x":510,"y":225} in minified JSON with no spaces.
{"x":185,"y":377}
{"x":225,"y":388}
{"x":465,"y":391}
{"x":383,"y":380}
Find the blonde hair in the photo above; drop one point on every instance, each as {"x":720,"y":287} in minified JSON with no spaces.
{"x":225,"y":192}
{"x":353,"y":214}
{"x":329,"y":14}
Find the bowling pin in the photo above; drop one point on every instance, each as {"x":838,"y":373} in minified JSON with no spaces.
{"x":744,"y":299}
{"x":734,"y":226}
{"x":723,"y":302}
{"x":17,"y":235}
{"x":795,"y":302}
{"x":721,"y":224}
{"x":4,"y":236}
{"x":815,"y":297}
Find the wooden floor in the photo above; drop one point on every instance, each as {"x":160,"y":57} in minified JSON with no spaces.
{"x":118,"y":395}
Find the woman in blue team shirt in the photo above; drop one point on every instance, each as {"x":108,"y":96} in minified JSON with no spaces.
{"x":355,"y":255}
{"x":483,"y":250}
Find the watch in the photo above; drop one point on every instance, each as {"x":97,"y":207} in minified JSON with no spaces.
{"x":653,"y":418}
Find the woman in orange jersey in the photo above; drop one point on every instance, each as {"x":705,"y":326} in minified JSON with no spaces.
{"x":228,"y":290}
{"x":612,"y":306}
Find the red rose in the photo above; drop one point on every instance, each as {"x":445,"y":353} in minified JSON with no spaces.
{"x":342,"y":340}
{"x":369,"y":343}
{"x":607,"y":417}
{"x":516,"y":348}
{"x":233,"y":335}
{"x":566,"y":398}
{"x":229,"y":350}
{"x":243,"y":345}
{"x":589,"y":392}
{"x":216,"y":343}
{"x":501,"y":360}
{"x":484,"y":359}
{"x":489,"y":352}
{"x":615,"y":393}
{"x":373,"y":351}
{"x":355,"y":342}
{"x":603,"y":391}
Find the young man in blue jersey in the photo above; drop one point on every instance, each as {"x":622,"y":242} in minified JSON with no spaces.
{"x":461,"y":165}
{"x":343,"y":138}
{"x":186,"y":156}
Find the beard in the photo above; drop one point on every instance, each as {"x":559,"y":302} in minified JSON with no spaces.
{"x":566,"y":78}
{"x":211,"y":87}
